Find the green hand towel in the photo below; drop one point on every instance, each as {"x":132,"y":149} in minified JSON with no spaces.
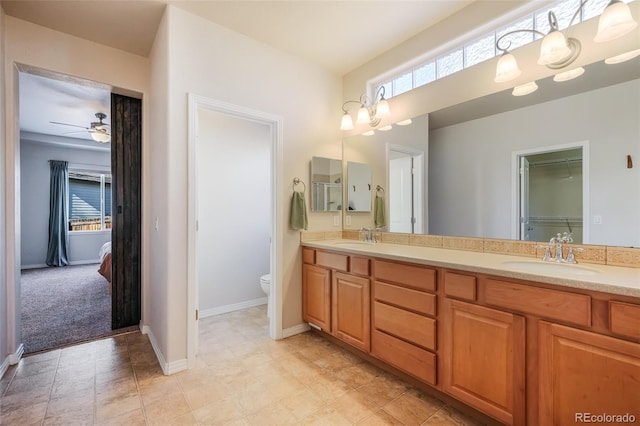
{"x":378,"y":211}
{"x":298,"y":217}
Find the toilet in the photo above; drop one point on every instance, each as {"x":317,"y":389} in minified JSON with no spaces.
{"x":265,"y":284}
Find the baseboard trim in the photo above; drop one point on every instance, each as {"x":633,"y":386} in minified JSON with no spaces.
{"x":233,"y":307}
{"x":4,"y":367}
{"x":296,"y":329}
{"x":74,"y":263}
{"x":168,"y":368}
{"x":15,"y":357}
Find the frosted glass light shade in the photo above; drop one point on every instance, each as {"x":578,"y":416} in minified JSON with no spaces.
{"x":507,"y":68}
{"x":369,"y":133}
{"x":622,"y":57}
{"x":101,"y":137}
{"x":568,"y":75}
{"x":525,"y":89}
{"x":554,"y":48}
{"x":615,"y":21}
{"x":347,"y":122}
{"x":382,"y":109}
{"x":363,"y":115}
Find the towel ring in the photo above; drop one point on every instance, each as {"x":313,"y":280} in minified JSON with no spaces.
{"x":379,"y":189}
{"x":297,"y":181}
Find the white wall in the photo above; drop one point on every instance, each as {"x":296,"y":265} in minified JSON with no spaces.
{"x":27,"y":43}
{"x":470,"y":166}
{"x":192,"y":55}
{"x":5,"y":322}
{"x":234,"y":210}
{"x":34,"y":203}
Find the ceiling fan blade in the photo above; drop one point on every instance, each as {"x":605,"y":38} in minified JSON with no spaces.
{"x":67,"y":124}
{"x":71,"y":133}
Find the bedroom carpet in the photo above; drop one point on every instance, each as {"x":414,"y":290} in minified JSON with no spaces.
{"x":63,"y":305}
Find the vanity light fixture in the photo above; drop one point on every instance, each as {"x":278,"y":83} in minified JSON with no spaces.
{"x":525,"y":89}
{"x":558,"y":51}
{"x":622,"y":57}
{"x":371,"y":111}
{"x":568,"y":75}
{"x":369,"y":133}
{"x":404,"y":122}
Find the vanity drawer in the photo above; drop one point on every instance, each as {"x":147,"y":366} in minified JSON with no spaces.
{"x":405,"y":325}
{"x":460,"y":286}
{"x":360,"y":266}
{"x":625,"y":319}
{"x":405,"y":356}
{"x":308,"y":256}
{"x":339,"y":262}
{"x":418,"y":301}
{"x":417,"y":277}
{"x":554,"y":304}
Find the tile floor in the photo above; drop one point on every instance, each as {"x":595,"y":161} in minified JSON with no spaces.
{"x":242,"y":378}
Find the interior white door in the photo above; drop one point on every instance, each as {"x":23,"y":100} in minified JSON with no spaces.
{"x":401,"y":217}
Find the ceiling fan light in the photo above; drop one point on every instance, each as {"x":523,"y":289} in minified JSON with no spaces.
{"x":622,"y":57}
{"x":507,"y":68}
{"x":615,"y":21}
{"x":101,"y":137}
{"x":554,"y":48}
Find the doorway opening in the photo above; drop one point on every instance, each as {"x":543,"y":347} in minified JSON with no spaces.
{"x":234,"y":211}
{"x":552,"y":193}
{"x":405,"y":169}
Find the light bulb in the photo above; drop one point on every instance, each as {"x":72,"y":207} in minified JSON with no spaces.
{"x":615,"y":21}
{"x":347,"y":122}
{"x":554,"y":48}
{"x":507,"y":68}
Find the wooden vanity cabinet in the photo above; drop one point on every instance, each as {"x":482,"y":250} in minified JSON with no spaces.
{"x":584,"y":373}
{"x":336,"y":301}
{"x":483,"y":359}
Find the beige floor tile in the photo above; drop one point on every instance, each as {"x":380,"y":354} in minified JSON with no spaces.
{"x":32,"y":413}
{"x":411,"y":409}
{"x":221,"y":411}
{"x":158,"y":388}
{"x":353,"y":406}
{"x":274,"y":414}
{"x":325,"y":416}
{"x":80,"y":404}
{"x":357,"y":375}
{"x":167,"y":408}
{"x":115,"y":389}
{"x":205,"y":395}
{"x":383,"y":389}
{"x":380,"y":418}
{"x":35,"y":368}
{"x":302,"y":404}
{"x":28,"y":383}
{"x":117,"y":407}
{"x":132,"y":418}
{"x":448,"y":416}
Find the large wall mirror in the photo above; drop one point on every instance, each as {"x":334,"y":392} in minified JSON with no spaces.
{"x":471,"y":186}
{"x":326,"y":184}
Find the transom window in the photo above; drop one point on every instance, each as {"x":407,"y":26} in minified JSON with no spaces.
{"x":89,"y":201}
{"x":483,"y":48}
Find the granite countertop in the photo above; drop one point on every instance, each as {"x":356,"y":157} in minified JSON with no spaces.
{"x":608,"y":279}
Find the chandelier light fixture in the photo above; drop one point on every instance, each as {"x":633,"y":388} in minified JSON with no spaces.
{"x":558,"y":51}
{"x":371,"y":111}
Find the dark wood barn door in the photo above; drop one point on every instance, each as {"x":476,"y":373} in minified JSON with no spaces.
{"x":126,"y":162}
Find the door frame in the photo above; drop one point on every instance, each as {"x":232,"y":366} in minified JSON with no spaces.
{"x":515,"y":185}
{"x":421,"y":225}
{"x":274,"y":122}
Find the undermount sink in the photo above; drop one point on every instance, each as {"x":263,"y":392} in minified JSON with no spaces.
{"x":549,"y":267}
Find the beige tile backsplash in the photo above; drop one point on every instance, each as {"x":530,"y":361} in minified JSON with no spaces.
{"x":602,"y":255}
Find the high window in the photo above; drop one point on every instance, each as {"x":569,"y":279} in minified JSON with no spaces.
{"x":89,"y":201}
{"x":482,"y":48}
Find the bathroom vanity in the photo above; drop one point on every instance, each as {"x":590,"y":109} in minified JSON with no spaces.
{"x":519,"y":342}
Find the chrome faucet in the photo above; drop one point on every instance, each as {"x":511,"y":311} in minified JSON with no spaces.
{"x":555,"y":243}
{"x":368,"y":235}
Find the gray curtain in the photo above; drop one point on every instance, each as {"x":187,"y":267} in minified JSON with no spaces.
{"x":58,"y":248}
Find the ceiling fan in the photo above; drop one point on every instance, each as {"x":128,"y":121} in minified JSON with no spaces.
{"x":98,"y":130}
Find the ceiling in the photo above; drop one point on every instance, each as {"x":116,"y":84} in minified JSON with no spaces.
{"x":336,"y":35}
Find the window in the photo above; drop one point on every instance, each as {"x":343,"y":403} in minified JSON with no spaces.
{"x":483,"y":47}
{"x":89,"y":201}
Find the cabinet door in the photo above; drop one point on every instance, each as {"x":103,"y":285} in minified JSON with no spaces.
{"x":350,"y":310}
{"x":316,"y":296}
{"x":586,"y":374}
{"x":484,"y":359}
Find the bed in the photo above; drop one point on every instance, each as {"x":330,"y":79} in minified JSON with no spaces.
{"x":105,"y":262}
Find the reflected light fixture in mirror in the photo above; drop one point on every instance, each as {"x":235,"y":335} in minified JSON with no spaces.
{"x":404,"y":122}
{"x":525,"y":89}
{"x":568,"y":75}
{"x":622,"y":57}
{"x":371,"y":111}
{"x":386,"y":128}
{"x":100,"y":135}
{"x":558,"y":51}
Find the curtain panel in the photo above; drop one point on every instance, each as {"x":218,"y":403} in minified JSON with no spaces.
{"x":58,"y":248}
